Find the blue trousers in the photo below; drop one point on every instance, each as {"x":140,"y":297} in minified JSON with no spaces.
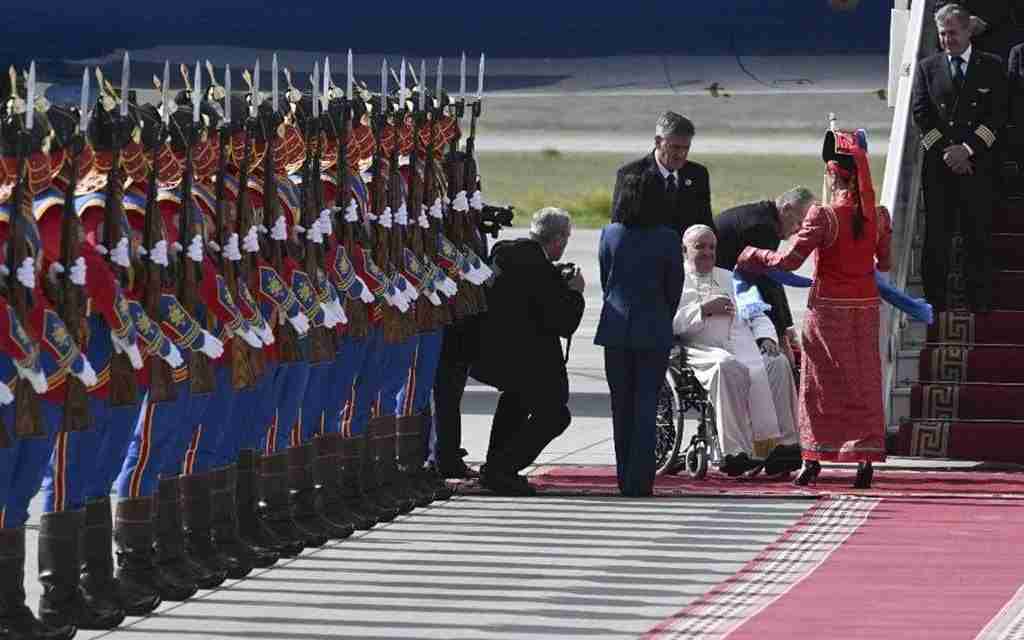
{"x":634,"y":378}
{"x":214,"y":433}
{"x":414,"y":398}
{"x":113,"y":437}
{"x":256,"y":408}
{"x":367,"y":385}
{"x":24,"y":464}
{"x":350,"y":362}
{"x":294,"y":377}
{"x":398,"y":363}
{"x":159,"y":432}
{"x":312,"y":413}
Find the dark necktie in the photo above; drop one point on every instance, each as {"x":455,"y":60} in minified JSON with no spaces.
{"x":670,"y":185}
{"x":958,"y":72}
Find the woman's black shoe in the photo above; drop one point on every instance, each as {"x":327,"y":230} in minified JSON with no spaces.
{"x":865,"y":472}
{"x":808,"y":473}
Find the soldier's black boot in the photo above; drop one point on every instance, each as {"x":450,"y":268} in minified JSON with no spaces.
{"x":430,"y":473}
{"x":350,"y":454}
{"x":347,"y":488}
{"x":224,"y":522}
{"x":171,"y":555}
{"x":16,"y":619}
{"x":62,"y":602}
{"x":330,"y":508}
{"x":384,"y":506}
{"x":251,"y":532}
{"x":136,"y":570}
{"x":302,"y":497}
{"x":381,"y":433}
{"x":96,"y":579}
{"x":275,"y":509}
{"x":196,"y":519}
{"x":409,"y":459}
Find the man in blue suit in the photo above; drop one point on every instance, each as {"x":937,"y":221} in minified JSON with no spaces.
{"x":642,"y":279}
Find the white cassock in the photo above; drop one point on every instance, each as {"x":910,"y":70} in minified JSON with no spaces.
{"x":754,"y":395}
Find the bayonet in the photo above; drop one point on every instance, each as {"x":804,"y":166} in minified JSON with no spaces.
{"x":462,"y":77}
{"x":348,"y":80}
{"x":165,"y":104}
{"x":197,"y":92}
{"x":273,"y":83}
{"x":227,"y":94}
{"x":326,"y":92}
{"x":30,"y":102}
{"x":480,"y":80}
{"x":423,"y":85}
{"x":83,"y":106}
{"x":316,"y":89}
{"x":401,"y":86}
{"x":256,"y":98}
{"x":440,"y":82}
{"x":384,"y":87}
{"x":124,"y":86}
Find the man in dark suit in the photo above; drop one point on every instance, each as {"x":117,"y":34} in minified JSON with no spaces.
{"x":763,"y":225}
{"x":671,"y":190}
{"x":959,"y":106}
{"x":642,"y":279}
{"x":531,"y":306}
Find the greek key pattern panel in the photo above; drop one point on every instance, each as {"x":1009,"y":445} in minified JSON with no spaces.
{"x":930,"y":440}
{"x":956,"y":326}
{"x":940,"y":401}
{"x":949,"y":364}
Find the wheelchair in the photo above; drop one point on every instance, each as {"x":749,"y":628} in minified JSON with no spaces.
{"x":676,"y":446}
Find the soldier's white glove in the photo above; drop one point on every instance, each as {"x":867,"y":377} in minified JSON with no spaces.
{"x":214,"y":247}
{"x":280,"y":230}
{"x":195,"y":249}
{"x":173,"y":357}
{"x":435,"y":209}
{"x":158,"y":254}
{"x":330,"y":319}
{"x":231,"y":251}
{"x":352,"y":213}
{"x":78,"y":271}
{"x":26,"y":273}
{"x":299,"y":322}
{"x":315,"y":233}
{"x":334,"y":308}
{"x":459,"y":203}
{"x":131,"y":350}
{"x":265,"y":334}
{"x":250,"y":338}
{"x":6,"y":397}
{"x":445,"y":284}
{"x":326,"y":225}
{"x":212,"y":347}
{"x":434,"y":299}
{"x":399,"y":301}
{"x":86,"y":374}
{"x":385,"y":220}
{"x":119,"y":255}
{"x":410,"y":291}
{"x":402,"y":215}
{"x":365,"y":294}
{"x":35,"y":377}
{"x":251,"y":242}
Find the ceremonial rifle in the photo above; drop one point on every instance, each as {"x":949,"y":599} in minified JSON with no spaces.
{"x":321,"y":344}
{"x":342,"y":111}
{"x":432,"y":181}
{"x":28,"y":417}
{"x":425,"y":316}
{"x":396,"y":198}
{"x":123,"y":385}
{"x":190,"y":274}
{"x":287,"y":340}
{"x":466,"y":300}
{"x":72,"y":299}
{"x":243,"y":373}
{"x":161,"y":377}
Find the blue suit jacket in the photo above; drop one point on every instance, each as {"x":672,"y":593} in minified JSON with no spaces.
{"x":642,"y":280}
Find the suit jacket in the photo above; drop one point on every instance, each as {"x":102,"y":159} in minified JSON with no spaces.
{"x":974,"y":115}
{"x":1015,"y":71}
{"x":754,"y":225}
{"x":529,"y":308}
{"x":640,"y":195}
{"x":642,"y":279}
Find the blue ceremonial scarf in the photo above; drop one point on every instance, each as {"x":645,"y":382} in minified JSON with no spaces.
{"x":750,"y":303}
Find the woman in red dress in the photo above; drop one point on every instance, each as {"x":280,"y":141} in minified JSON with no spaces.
{"x":841,"y":414}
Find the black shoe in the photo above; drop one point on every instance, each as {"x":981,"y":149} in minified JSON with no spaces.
{"x":736,"y":465}
{"x":782,"y":459}
{"x":865,"y":473}
{"x":808,"y":473}
{"x":458,"y":470}
{"x":507,"y":484}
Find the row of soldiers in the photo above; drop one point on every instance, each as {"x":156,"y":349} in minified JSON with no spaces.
{"x":228,"y":307}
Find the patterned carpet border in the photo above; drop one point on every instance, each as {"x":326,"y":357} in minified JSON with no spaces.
{"x":776,"y":570}
{"x":1008,"y":624}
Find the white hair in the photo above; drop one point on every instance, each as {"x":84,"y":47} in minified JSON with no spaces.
{"x":696,"y":230}
{"x":549,"y":224}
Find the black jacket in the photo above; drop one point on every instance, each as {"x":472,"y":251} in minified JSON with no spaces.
{"x":975,"y":115}
{"x":754,"y":225}
{"x":640,"y":193}
{"x":529,"y":309}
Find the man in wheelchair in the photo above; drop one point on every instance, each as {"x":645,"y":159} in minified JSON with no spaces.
{"x":738,"y":362}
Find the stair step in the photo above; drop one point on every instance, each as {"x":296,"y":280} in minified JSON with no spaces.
{"x":1006,"y":290}
{"x":1009,"y":217}
{"x":998,"y":327}
{"x":994,"y":441}
{"x":1006,"y":250}
{"x":979,"y":363}
{"x":966,"y":401}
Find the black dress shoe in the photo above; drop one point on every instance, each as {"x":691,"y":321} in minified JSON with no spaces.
{"x":507,"y":484}
{"x":458,"y":471}
{"x":782,"y":459}
{"x":736,"y":465}
{"x":808,"y":473}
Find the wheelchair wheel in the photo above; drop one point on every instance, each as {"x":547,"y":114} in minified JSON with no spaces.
{"x":697,"y":460}
{"x":667,"y":431}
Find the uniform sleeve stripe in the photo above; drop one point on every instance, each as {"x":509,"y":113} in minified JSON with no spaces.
{"x":986,"y":135}
{"x":931,"y":138}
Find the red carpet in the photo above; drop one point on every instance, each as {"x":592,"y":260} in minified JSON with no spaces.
{"x":998,"y":327}
{"x":986,"y":363}
{"x":967,"y":401}
{"x":971,"y":440}
{"x":600,"y":480}
{"x":865,"y":568}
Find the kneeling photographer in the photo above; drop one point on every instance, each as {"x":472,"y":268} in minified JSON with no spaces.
{"x":532,"y":304}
